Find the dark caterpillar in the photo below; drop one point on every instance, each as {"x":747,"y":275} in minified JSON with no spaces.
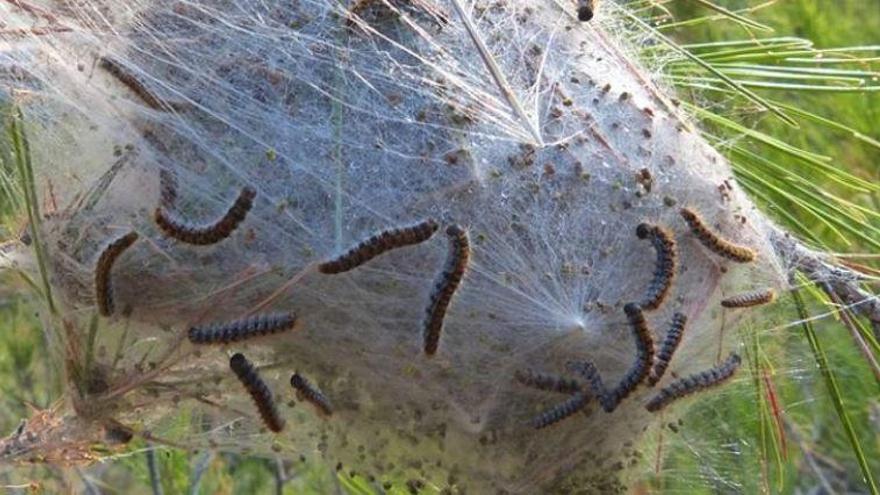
{"x":586,"y":9}
{"x":202,"y":235}
{"x":167,"y":189}
{"x":380,"y":244}
{"x":749,"y":299}
{"x":713,"y":241}
{"x":575,"y":403}
{"x":544,"y":381}
{"x":638,"y":372}
{"x":311,"y":393}
{"x":242,"y":329}
{"x":694,"y":383}
{"x":259,"y":391}
{"x":447,"y":284}
{"x":667,"y":349}
{"x":103,"y":286}
{"x":132,"y":82}
{"x":664,"y":269}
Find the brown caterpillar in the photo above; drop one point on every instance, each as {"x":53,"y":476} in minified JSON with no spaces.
{"x":167,"y":189}
{"x":311,"y":393}
{"x":694,"y":383}
{"x":713,"y":242}
{"x":242,"y":329}
{"x":749,"y":299}
{"x":259,"y":391}
{"x":132,"y":82}
{"x":548,"y":382}
{"x":103,"y":286}
{"x":202,"y":235}
{"x":561,"y":411}
{"x":444,"y":289}
{"x":380,"y":244}
{"x":586,"y":9}
{"x":667,"y":349}
{"x":664,"y":269}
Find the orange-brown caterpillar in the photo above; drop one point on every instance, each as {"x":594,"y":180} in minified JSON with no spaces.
{"x":311,"y":393}
{"x":103,"y":286}
{"x":667,"y":349}
{"x":664,"y":269}
{"x":380,"y":244}
{"x":713,"y":242}
{"x":242,"y":329}
{"x":575,"y":403}
{"x":444,"y":289}
{"x":548,"y":382}
{"x":132,"y":82}
{"x":167,"y":189}
{"x":586,"y":9}
{"x":258,"y":390}
{"x":749,"y":299}
{"x":202,"y":235}
{"x":695,"y":383}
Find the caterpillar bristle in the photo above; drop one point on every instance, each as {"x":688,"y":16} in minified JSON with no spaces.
{"x":713,"y":241}
{"x":667,"y":349}
{"x":445,"y":287}
{"x":546,"y":381}
{"x":202,"y":235}
{"x":311,"y":393}
{"x":664,"y":269}
{"x":557,"y":413}
{"x":242,"y":329}
{"x":379,"y":244}
{"x":749,"y":299}
{"x":695,"y":383}
{"x":103,"y":268}
{"x":258,"y":390}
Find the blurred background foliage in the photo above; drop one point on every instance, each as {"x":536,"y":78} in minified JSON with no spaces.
{"x":809,"y":421}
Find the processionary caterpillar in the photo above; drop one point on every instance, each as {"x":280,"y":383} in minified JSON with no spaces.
{"x":447,"y":284}
{"x":379,"y":244}
{"x":202,"y":235}
{"x":103,"y":285}
{"x":695,"y":383}
{"x":713,"y":241}
{"x":259,"y":391}
{"x":242,"y":329}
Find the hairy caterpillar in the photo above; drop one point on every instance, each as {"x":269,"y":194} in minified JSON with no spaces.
{"x":610,"y":399}
{"x":667,"y":349}
{"x":311,"y":393}
{"x":586,"y":9}
{"x":561,"y":411}
{"x":167,"y":189}
{"x":379,"y":244}
{"x":548,"y":382}
{"x":132,"y":82}
{"x":242,"y":329}
{"x":103,"y":286}
{"x":694,"y":383}
{"x":749,"y":299}
{"x":202,"y":235}
{"x":456,"y":264}
{"x":713,"y":242}
{"x":258,"y":390}
{"x":664,"y":270}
